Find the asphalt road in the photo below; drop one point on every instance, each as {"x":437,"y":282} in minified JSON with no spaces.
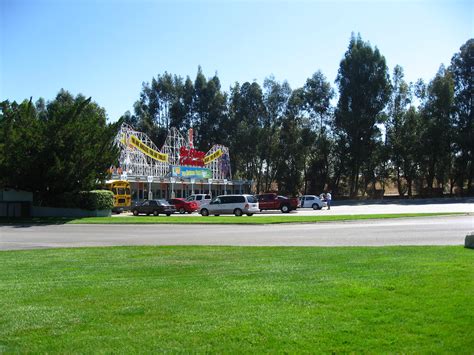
{"x":449,"y":230}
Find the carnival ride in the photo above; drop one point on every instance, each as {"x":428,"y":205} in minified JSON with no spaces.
{"x":139,"y":156}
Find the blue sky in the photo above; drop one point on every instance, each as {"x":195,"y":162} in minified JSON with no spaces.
{"x":106,"y":49}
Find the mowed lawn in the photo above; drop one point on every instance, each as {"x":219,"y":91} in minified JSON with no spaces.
{"x":237,"y":299}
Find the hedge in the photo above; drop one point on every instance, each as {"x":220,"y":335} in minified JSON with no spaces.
{"x":96,"y":200}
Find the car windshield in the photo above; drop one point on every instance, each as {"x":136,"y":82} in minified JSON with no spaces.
{"x":251,"y":199}
{"x":283,"y":198}
{"x":163,"y":202}
{"x":190,"y":198}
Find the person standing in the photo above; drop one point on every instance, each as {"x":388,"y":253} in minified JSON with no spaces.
{"x":328,"y":199}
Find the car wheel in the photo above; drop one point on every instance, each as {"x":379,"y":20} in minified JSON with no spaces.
{"x":238,"y":212}
{"x":204,"y":212}
{"x":155,"y":213}
{"x":217,"y":215}
{"x":181,"y":210}
{"x":250,"y":214}
{"x":135,"y":212}
{"x":190,"y":212}
{"x":285,"y":209}
{"x":315,"y":206}
{"x":168,"y":214}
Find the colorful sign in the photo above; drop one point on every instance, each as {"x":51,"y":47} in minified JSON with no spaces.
{"x":137,"y":143}
{"x":191,"y":157}
{"x":190,"y":172}
{"x":211,"y":157}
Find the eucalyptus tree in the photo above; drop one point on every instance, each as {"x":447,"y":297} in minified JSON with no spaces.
{"x":317,"y":103}
{"x":200,"y":106}
{"x":364,"y":90}
{"x":170,"y":101}
{"x":291,"y":147}
{"x":159,"y":107}
{"x":437,"y":136}
{"x":276,"y":96}
{"x":461,"y":69}
{"x":247,"y":116}
{"x":318,"y":94}
{"x":410,"y":146}
{"x":204,"y":108}
{"x":397,"y":109}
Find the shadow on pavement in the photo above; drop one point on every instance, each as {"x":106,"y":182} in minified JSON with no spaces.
{"x":34,"y":221}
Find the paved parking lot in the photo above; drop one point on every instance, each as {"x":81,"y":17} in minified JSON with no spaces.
{"x":362,"y":207}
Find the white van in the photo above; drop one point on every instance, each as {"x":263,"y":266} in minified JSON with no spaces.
{"x":200,"y":199}
{"x":231,"y":204}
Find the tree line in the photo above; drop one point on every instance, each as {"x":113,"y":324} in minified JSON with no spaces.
{"x":382,"y":130}
{"x":371,"y":130}
{"x":55,"y":149}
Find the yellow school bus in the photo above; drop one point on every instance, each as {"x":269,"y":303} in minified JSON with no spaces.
{"x":122,"y":195}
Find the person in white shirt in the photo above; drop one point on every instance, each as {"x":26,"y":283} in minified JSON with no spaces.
{"x":329,"y":199}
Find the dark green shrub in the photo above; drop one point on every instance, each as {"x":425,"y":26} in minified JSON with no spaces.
{"x":65,"y":200}
{"x":96,"y":200}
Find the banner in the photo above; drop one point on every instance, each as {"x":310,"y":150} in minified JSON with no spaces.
{"x":142,"y":147}
{"x":190,"y":172}
{"x":191,"y":157}
{"x":211,"y":157}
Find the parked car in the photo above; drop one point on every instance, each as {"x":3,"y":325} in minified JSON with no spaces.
{"x":200,"y":199}
{"x":153,"y":206}
{"x":311,"y":201}
{"x":183,"y":206}
{"x":272,"y":201}
{"x":231,"y":204}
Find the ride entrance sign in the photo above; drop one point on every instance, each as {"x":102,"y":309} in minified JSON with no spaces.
{"x":190,"y":172}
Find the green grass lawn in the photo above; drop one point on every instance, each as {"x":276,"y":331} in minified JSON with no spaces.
{"x":197,"y":219}
{"x":237,"y":299}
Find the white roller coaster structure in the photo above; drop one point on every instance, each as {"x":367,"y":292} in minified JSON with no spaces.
{"x":140,"y":157}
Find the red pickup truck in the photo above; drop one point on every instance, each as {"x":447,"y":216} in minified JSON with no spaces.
{"x":272,"y":201}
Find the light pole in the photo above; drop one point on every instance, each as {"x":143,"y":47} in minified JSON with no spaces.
{"x":210,"y":183}
{"x":192,"y":185}
{"x":150,"y":193}
{"x":172,"y":181}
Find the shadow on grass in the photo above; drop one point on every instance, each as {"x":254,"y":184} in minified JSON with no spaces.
{"x":35,"y":221}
